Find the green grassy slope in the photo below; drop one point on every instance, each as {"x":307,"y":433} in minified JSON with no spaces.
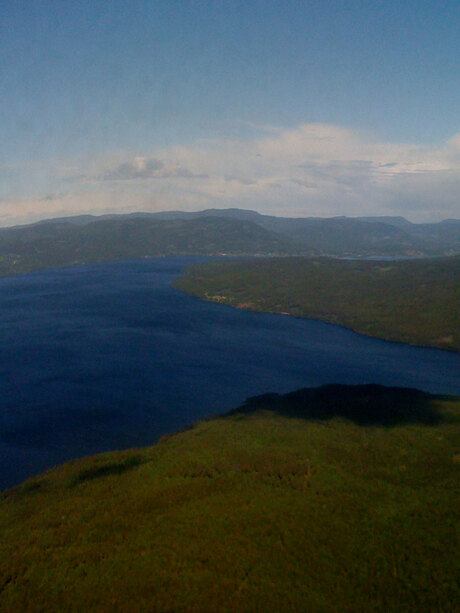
{"x":262,"y":510}
{"x":414,"y":301}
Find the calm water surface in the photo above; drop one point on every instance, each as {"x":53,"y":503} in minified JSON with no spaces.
{"x":101,"y":357}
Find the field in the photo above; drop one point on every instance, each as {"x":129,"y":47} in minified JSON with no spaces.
{"x":335,"y":499}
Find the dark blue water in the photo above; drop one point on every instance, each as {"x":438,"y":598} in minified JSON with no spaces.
{"x":100,"y":357}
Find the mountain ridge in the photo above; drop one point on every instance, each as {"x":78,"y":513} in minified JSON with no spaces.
{"x":86,"y":239}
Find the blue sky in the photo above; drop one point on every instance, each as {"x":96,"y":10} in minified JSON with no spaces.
{"x":289,"y":107}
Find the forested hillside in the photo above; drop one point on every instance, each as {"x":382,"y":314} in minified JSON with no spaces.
{"x":334,"y":499}
{"x":86,"y":239}
{"x":414,"y":301}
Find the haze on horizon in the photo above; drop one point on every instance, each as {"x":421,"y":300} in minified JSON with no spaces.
{"x":286,"y":108}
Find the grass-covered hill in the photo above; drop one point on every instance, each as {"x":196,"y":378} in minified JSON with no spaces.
{"x":413,"y":301}
{"x":335,"y":499}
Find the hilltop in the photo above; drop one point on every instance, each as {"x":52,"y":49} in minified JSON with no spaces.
{"x":334,"y":499}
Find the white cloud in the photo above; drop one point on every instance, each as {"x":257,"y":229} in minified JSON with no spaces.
{"x":140,"y":167}
{"x":315,"y":169}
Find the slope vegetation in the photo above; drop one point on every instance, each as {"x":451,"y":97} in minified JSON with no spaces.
{"x":414,"y":301}
{"x":64,"y":243}
{"x":85,"y":239}
{"x":335,"y":499}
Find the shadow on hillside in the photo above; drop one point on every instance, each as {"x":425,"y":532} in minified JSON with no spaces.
{"x":114,"y":468}
{"x":364,"y":404}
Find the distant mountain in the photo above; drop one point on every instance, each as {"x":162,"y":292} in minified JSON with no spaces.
{"x":348,"y":236}
{"x":398,"y":222}
{"x":241,"y":214}
{"x":342,"y":236}
{"x":60,"y":243}
{"x":87,"y":238}
{"x":444,"y":235}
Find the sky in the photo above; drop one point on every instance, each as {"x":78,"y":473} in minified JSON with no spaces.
{"x":291,"y":107}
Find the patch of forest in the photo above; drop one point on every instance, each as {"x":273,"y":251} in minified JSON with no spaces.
{"x":341,"y":498}
{"x":412,"y":301}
